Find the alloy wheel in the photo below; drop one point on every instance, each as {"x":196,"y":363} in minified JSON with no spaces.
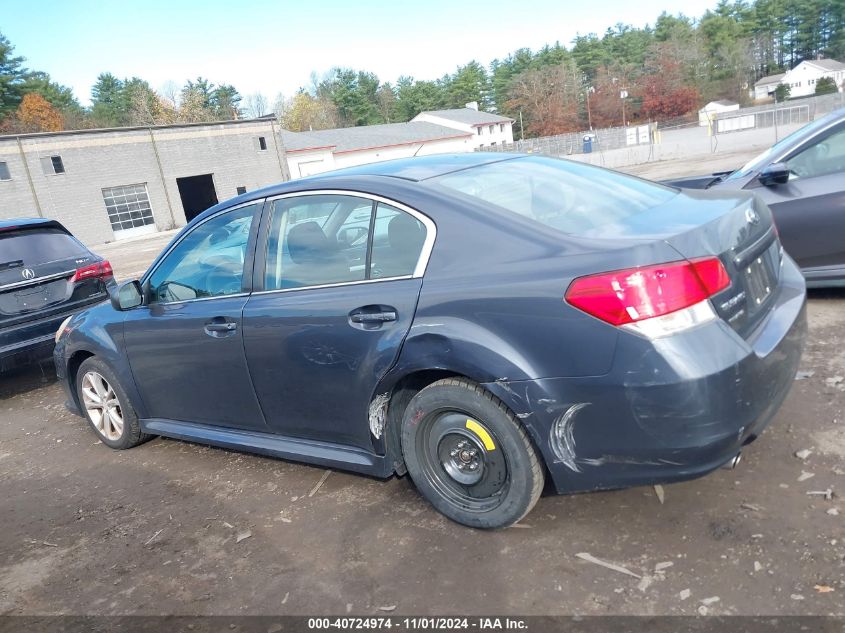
{"x":102,"y":406}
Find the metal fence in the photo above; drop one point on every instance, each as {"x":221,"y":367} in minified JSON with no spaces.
{"x":792,"y":112}
{"x":573,"y":142}
{"x":736,"y":122}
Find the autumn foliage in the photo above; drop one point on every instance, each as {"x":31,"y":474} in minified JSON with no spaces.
{"x":35,"y":114}
{"x":663,"y":91}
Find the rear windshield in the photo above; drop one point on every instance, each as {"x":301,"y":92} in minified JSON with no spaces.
{"x":37,"y":246}
{"x":568,"y":196}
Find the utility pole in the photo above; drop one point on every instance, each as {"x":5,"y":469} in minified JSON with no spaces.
{"x":521,"y":127}
{"x":623,"y":94}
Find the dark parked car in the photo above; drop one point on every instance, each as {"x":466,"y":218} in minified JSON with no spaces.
{"x":802,"y":179}
{"x":493,"y":321}
{"x":46,"y":275}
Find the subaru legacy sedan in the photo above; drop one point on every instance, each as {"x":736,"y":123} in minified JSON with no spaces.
{"x":483,"y":322}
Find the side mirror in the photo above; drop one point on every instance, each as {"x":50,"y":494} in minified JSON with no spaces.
{"x":127,"y":295}
{"x":774,"y":174}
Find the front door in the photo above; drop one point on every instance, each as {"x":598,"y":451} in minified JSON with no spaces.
{"x":809,"y":210}
{"x":341,"y":277}
{"x":185,"y":345}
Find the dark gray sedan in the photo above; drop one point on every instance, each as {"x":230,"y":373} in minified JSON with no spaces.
{"x":802,"y":179}
{"x":483,"y":322}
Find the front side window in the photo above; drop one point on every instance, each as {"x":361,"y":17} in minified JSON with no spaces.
{"x":329,"y":239}
{"x":208,"y":262}
{"x":820,"y":159}
{"x":4,"y":171}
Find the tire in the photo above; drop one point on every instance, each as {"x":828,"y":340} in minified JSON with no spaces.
{"x":469,"y":456}
{"x":94,"y":381}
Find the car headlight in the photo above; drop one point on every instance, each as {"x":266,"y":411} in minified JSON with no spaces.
{"x":62,"y":327}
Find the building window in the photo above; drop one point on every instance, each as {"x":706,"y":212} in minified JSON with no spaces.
{"x":262,"y":142}
{"x":4,"y":171}
{"x":480,"y":130}
{"x":51,"y":165}
{"x":128,"y":206}
{"x":491,"y":129}
{"x":501,"y":127}
{"x":241,"y":190}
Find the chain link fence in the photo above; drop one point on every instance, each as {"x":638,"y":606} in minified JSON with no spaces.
{"x":792,"y":113}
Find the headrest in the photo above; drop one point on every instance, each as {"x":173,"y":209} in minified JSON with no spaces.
{"x":307,"y":243}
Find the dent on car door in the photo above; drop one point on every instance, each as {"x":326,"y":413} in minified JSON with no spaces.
{"x":185,"y":345}
{"x":336,"y":305}
{"x":809,"y":209}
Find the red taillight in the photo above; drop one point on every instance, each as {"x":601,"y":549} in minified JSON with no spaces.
{"x":100,"y":270}
{"x":628,"y":296}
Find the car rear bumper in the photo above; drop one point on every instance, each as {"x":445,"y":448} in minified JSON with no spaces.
{"x":669,"y":409}
{"x":33,"y":340}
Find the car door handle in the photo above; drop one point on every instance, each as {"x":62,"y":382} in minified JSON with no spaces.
{"x":221,"y":327}
{"x":217,"y":328}
{"x":373,"y":317}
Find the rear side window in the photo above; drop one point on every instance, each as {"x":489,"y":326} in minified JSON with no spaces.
{"x":329,"y":239}
{"x":38,"y":246}
{"x":4,"y":171}
{"x":565,"y":195}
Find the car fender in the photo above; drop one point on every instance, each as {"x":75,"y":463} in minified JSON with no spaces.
{"x":102,"y":338}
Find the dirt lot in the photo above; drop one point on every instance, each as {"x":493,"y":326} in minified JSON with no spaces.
{"x":159,"y":529}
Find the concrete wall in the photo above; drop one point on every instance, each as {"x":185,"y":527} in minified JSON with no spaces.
{"x":97,"y":160}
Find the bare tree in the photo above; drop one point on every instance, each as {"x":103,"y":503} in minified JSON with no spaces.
{"x":255,"y":105}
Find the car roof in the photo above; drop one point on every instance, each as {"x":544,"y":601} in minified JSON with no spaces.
{"x":422,"y":167}
{"x":408,"y":170}
{"x":19,"y":223}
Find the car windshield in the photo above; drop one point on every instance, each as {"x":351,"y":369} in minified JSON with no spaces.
{"x":762,"y":159}
{"x":566,"y":195}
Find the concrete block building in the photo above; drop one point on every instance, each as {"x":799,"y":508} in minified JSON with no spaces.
{"x":106,"y":185}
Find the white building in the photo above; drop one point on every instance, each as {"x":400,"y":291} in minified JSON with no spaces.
{"x":802,"y":79}
{"x":323,"y":150}
{"x":765,"y":87}
{"x":486,"y":128}
{"x":714,"y":108}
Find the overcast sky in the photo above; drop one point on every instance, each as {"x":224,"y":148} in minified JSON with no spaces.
{"x":271,"y":46}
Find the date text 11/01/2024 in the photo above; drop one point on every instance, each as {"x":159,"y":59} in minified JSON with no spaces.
{"x":419,"y":623}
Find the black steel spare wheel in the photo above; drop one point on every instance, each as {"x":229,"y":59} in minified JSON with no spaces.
{"x":469,"y":456}
{"x":463,"y":459}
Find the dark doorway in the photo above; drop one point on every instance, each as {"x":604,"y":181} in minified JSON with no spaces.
{"x":197,"y":193}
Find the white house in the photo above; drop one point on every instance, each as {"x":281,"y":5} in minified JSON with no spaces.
{"x":765,"y":86}
{"x":314,"y":152}
{"x":709,"y":112}
{"x":486,"y":128}
{"x":802,"y":79}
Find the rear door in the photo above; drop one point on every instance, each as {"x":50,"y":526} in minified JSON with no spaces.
{"x":36,"y":268}
{"x":809,"y":210}
{"x":340,"y":277}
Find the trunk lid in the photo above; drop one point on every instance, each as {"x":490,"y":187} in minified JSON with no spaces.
{"x":737,"y":227}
